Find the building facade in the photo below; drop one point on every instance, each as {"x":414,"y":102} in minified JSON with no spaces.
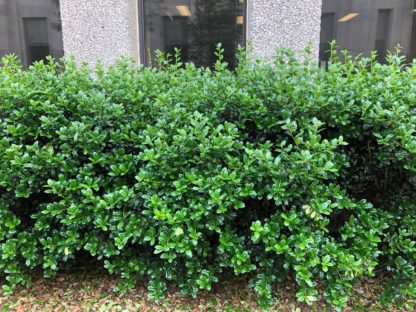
{"x":107,"y":29}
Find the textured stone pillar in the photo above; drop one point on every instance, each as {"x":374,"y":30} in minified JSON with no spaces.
{"x":288,"y":23}
{"x":100,"y":29}
{"x":106,"y":29}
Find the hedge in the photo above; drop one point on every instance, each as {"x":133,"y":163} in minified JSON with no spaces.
{"x":178,"y":174}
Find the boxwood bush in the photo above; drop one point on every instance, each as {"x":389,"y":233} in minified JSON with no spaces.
{"x":177,"y":174}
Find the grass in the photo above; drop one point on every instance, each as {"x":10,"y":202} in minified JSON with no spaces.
{"x":89,"y":289}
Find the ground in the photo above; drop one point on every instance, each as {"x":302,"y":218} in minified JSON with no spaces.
{"x":90,"y":289}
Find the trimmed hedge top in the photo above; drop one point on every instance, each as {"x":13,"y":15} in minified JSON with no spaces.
{"x":178,"y":173}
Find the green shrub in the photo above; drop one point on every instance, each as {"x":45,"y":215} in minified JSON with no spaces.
{"x":178,"y":173}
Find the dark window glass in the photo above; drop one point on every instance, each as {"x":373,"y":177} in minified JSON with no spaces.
{"x":30,"y":29}
{"x":194,"y":26}
{"x":362,"y":26}
{"x":36,"y":35}
{"x":327,"y":34}
{"x":383,"y":31}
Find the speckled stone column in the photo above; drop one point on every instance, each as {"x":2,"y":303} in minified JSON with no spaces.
{"x":100,"y":29}
{"x":288,"y":23}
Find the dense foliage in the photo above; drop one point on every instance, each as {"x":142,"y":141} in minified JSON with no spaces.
{"x":178,"y":173}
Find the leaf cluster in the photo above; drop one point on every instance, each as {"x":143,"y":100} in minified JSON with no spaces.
{"x":179,"y":173}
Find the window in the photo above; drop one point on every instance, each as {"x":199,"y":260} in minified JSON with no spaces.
{"x":36,"y":39}
{"x":327,"y":34}
{"x":30,"y":29}
{"x":361,"y":26}
{"x":383,"y":33}
{"x":194,"y":26}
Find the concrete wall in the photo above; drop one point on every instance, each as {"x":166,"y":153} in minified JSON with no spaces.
{"x":106,"y":29}
{"x":288,"y":23}
{"x":100,"y":29}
